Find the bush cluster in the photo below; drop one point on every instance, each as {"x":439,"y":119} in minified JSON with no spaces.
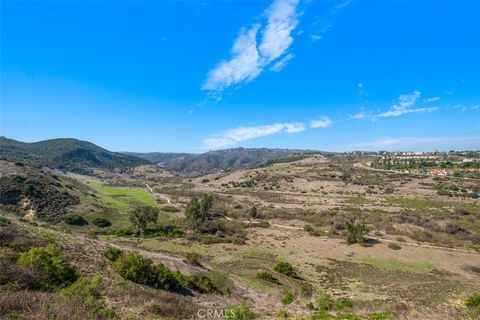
{"x":267,"y":276}
{"x":288,"y":298}
{"x":85,"y":295}
{"x":76,"y":220}
{"x":101,"y":222}
{"x":241,"y":312}
{"x":286,"y":269}
{"x":133,"y":267}
{"x":112,"y":253}
{"x":48,"y":262}
{"x":193,"y":258}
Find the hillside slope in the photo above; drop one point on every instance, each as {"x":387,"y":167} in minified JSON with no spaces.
{"x":34,"y":194}
{"x":66,"y":154}
{"x":212,"y":161}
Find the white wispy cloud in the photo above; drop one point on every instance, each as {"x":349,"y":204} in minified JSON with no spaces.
{"x":233,"y":136}
{"x":323,"y":122}
{"x":358,"y":115}
{"x":236,"y":135}
{"x":282,"y":20}
{"x":404,"y":106}
{"x":282,"y":63}
{"x":321,"y":25}
{"x":249,"y":58}
{"x":465,"y":107}
{"x":432,"y":99}
{"x":244,"y":65}
{"x":417,"y":144}
{"x":324,"y":26}
{"x":294,"y":127}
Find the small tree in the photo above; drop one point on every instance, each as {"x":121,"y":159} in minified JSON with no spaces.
{"x":197,"y":210}
{"x":253,"y":212}
{"x":142,"y":216}
{"x":356,"y":231}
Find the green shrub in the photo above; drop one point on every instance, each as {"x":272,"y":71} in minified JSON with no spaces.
{"x":221,"y":281}
{"x":347,"y":316}
{"x":30,"y":190}
{"x":48,"y":262}
{"x":394,"y":246}
{"x":356,"y":231}
{"x":165,"y":279}
{"x":473,"y":301}
{"x":475,"y":269}
{"x":288,"y":297}
{"x":306,"y":290}
{"x":124,"y":232}
{"x":165,"y":230}
{"x":205,"y":180}
{"x":101,"y":222}
{"x":344,"y":303}
{"x":112,"y":253}
{"x":325,"y":302}
{"x":193,"y":258}
{"x":170,"y":209}
{"x":204,"y":283}
{"x":86,"y":292}
{"x":87,"y":288}
{"x":241,"y":312}
{"x":76,"y":220}
{"x":381,"y":316}
{"x":134,"y":267}
{"x":253,"y":212}
{"x":320,"y":315}
{"x":4,"y":222}
{"x":267,"y":276}
{"x":285,"y":268}
{"x":282,"y":314}
{"x":310,"y":305}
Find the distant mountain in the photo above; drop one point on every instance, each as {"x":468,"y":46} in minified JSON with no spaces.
{"x":230,"y":159}
{"x":66,"y":154}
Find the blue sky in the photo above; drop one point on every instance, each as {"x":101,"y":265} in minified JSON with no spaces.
{"x":193,"y":76}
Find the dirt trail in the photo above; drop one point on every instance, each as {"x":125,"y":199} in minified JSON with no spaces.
{"x":157,"y":194}
{"x":283,"y":226}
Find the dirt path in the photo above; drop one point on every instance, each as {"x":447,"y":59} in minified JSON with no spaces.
{"x":283,"y":226}
{"x":160,"y":195}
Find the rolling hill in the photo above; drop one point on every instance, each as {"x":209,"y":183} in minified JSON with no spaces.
{"x":226,"y":160}
{"x":66,"y":154}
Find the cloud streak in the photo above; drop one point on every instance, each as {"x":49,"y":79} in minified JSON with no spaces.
{"x":432,"y":99}
{"x":233,"y":136}
{"x":406,"y":101}
{"x":236,"y":135}
{"x":249,"y":58}
{"x":242,"y":67}
{"x":323,"y":122}
{"x":358,"y":115}
{"x":321,"y":25}
{"x":282,"y":63}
